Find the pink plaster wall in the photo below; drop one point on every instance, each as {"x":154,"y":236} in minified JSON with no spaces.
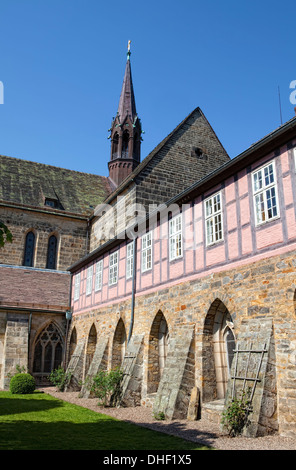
{"x":242,"y":241}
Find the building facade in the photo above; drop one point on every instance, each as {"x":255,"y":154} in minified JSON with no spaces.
{"x":179,"y":268}
{"x":210,"y":272}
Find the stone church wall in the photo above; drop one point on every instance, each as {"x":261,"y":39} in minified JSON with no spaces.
{"x":70,"y":232}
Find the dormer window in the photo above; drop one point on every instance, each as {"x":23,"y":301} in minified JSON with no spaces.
{"x":51,"y":202}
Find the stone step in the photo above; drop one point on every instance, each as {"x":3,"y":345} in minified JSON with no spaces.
{"x":212,"y":411}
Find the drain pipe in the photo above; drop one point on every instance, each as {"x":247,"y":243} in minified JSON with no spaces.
{"x":29,"y":337}
{"x":133,"y":288}
{"x":68,"y":320}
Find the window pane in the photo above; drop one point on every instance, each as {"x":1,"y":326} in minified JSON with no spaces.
{"x":37,"y":358}
{"x":257,"y":180}
{"x":210,"y":231}
{"x":271,"y":203}
{"x":89,"y":280}
{"x":47,"y":358}
{"x":29,"y":249}
{"x":77,"y":287}
{"x":268,"y":173}
{"x":99,"y":275}
{"x":265,"y":200}
{"x":259,"y":203}
{"x":58,"y":356}
{"x":129,"y":260}
{"x":113,"y":264}
{"x":218,"y":227}
{"x":209,"y":207}
{"x":51,"y":253}
{"x":146,"y":255}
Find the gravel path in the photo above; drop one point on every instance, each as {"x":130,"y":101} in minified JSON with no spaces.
{"x":200,"y":431}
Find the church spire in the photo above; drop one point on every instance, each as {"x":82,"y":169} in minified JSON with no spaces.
{"x":127,"y":103}
{"x":125,"y":131}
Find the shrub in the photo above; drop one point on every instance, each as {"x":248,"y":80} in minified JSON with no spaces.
{"x":235,"y":417}
{"x":107,"y":386}
{"x":159,"y":416}
{"x":60,"y":378}
{"x":22,"y":383}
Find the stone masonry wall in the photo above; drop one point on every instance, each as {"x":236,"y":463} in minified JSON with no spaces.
{"x":18,"y":333}
{"x":71,"y":235}
{"x":263,"y":289}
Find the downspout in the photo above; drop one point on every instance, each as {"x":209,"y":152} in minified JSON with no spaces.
{"x":29,"y":335}
{"x":133,"y":288}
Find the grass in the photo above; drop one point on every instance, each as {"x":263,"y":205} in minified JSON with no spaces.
{"x":41,"y":422}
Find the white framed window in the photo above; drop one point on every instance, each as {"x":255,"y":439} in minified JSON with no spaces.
{"x":294,"y":152}
{"x":265,"y":194}
{"x":113,"y":268}
{"x":213,"y":219}
{"x":175,"y":237}
{"x":77,"y":287}
{"x":146,"y":259}
{"x":129,"y":260}
{"x":89,"y":278}
{"x":99,"y":275}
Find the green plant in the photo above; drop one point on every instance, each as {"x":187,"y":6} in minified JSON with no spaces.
{"x":60,"y":378}
{"x":22,"y":383}
{"x":5,"y":234}
{"x":235,"y":417}
{"x":107,"y":386}
{"x":160,"y":416}
{"x":19,"y":370}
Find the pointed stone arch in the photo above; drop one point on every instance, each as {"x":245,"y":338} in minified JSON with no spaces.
{"x":119,"y":344}
{"x":90,"y":348}
{"x":48,"y":350}
{"x":157,"y":351}
{"x":217,"y":350}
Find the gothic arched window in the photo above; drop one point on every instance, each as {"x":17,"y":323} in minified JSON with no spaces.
{"x":52,"y":252}
{"x":29,"y":249}
{"x":48,"y":352}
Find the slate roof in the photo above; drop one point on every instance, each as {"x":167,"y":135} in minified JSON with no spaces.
{"x":29,"y":183}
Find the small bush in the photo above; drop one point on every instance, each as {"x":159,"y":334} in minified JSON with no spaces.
{"x":160,"y":416}
{"x":22,"y":383}
{"x":107,"y":386}
{"x":235,"y":417}
{"x":60,"y":378}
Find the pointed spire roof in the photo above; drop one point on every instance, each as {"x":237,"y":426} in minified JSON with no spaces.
{"x":127,"y":103}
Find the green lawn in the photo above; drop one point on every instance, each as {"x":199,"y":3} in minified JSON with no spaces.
{"x":41,"y":422}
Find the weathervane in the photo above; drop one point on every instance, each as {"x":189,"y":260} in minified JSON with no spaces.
{"x":128,"y":49}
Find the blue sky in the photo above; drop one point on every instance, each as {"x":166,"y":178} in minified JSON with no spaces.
{"x":62,"y":64}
